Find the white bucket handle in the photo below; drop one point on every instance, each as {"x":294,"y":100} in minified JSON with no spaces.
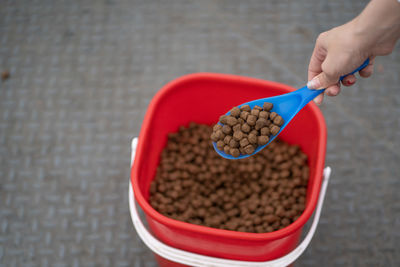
{"x":193,"y":259}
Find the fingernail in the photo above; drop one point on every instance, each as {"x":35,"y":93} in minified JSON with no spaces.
{"x":314,"y":84}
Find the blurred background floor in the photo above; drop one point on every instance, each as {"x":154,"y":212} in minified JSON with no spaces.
{"x":82,"y":75}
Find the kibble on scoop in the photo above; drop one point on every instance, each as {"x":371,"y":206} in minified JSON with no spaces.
{"x":246,"y":128}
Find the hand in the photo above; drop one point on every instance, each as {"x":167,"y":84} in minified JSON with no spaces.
{"x":342,"y":49}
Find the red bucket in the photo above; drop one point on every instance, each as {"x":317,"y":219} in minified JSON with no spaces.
{"x":202,"y":98}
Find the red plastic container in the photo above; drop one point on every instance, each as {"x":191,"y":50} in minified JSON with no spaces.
{"x":202,"y":98}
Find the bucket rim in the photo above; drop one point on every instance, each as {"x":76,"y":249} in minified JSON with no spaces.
{"x":205,"y":230}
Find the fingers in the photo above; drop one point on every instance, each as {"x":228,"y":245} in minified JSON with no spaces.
{"x":349,"y":80}
{"x":333,"y":90}
{"x":318,"y":100}
{"x":316,"y":60}
{"x":368,"y":70}
{"x":322,"y":80}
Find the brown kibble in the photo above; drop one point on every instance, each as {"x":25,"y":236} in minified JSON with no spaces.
{"x":249,"y":149}
{"x":235,"y":112}
{"x":280,"y":211}
{"x":241,"y":121}
{"x":278,"y":120}
{"x":260,"y":229}
{"x":5,"y":75}
{"x":238,"y":135}
{"x":267,"y":106}
{"x":235,"y":152}
{"x":255,"y":112}
{"x":226,"y":129}
{"x":214,"y":137}
{"x":251,"y":120}
{"x":275,"y":129}
{"x":265,"y":131}
{"x":223,"y":119}
{"x":263,"y":193}
{"x":233,"y":143}
{"x":227,"y":149}
{"x":255,"y":132}
{"x":244,"y":142}
{"x":257,"y":108}
{"x":260,"y":123}
{"x":227,"y":139}
{"x":217,"y":127}
{"x":244,"y":114}
{"x":246,"y":128}
{"x":271,"y":218}
{"x":252,"y":138}
{"x":236,"y":127}
{"x":231,"y":121}
{"x":262,"y":140}
{"x":245,"y":108}
{"x":285,"y":222}
{"x":272,"y":115}
{"x":220,"y":135}
{"x":220,"y":145}
{"x":263,"y":114}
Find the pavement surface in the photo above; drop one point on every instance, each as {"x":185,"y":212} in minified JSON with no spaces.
{"x":82,"y":75}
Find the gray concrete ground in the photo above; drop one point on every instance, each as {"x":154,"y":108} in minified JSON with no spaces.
{"x":82,"y":74}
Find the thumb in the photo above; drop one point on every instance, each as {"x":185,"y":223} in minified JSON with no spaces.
{"x":321,"y":81}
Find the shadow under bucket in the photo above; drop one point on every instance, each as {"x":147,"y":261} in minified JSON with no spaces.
{"x":202,"y":98}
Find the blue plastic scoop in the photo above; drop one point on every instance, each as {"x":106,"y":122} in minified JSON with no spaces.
{"x":287,"y":106}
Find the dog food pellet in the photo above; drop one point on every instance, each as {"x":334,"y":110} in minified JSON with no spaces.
{"x":226,"y":129}
{"x":244,"y":142}
{"x":268,"y":106}
{"x":246,"y":128}
{"x":252,"y":138}
{"x":227,"y":139}
{"x":251,"y":120}
{"x":278,"y":120}
{"x":263,"y":114}
{"x":260,"y":194}
{"x":217,"y":127}
{"x":262,"y":140}
{"x":220,"y":144}
{"x":255,"y":125}
{"x":235,"y":112}
{"x":255,"y":112}
{"x":245,"y":108}
{"x":231,"y":121}
{"x":274,"y":129}
{"x":249,"y":149}
{"x":238,"y":135}
{"x":265,"y":131}
{"x":5,"y":75}
{"x":223,"y":119}
{"x":244,"y":114}
{"x":233,"y":143}
{"x":234,"y":152}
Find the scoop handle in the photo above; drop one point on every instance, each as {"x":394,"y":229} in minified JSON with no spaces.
{"x":309,"y":94}
{"x":366,"y":62}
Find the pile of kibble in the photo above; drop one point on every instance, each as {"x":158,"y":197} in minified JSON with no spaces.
{"x":262,"y":193}
{"x":245,"y":128}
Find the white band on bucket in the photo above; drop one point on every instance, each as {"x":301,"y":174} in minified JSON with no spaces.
{"x":193,"y":259}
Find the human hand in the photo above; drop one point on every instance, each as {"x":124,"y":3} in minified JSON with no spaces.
{"x":342,"y":49}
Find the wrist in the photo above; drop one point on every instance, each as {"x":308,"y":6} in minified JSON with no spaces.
{"x":378,"y":24}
